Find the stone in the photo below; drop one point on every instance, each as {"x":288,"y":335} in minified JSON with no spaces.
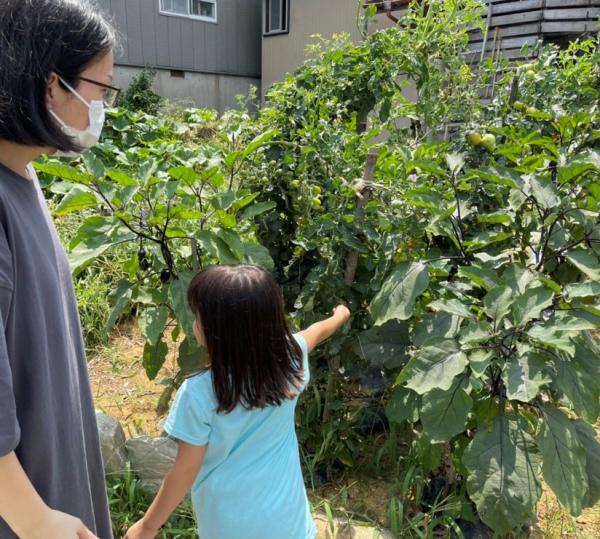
{"x":346,"y":529}
{"x":112,"y":444}
{"x":151,"y":458}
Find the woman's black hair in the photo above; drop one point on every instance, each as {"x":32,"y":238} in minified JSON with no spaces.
{"x":37,"y":38}
{"x":254,"y":359}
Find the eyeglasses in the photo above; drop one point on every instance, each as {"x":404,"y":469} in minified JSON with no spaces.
{"x":111,"y":95}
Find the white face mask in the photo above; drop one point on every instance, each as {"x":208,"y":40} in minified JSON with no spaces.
{"x":88,"y":137}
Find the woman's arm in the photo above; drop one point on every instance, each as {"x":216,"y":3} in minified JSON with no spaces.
{"x":176,"y":484}
{"x":26,"y":513}
{"x":320,"y":331}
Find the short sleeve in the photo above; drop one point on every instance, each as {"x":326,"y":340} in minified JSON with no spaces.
{"x":189,"y":419}
{"x":305,"y":365}
{"x":10,"y":432}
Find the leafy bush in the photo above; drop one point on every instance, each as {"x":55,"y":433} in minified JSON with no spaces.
{"x":139,"y":95}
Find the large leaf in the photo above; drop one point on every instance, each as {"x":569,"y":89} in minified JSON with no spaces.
{"x":122,"y":297}
{"x":578,"y":377}
{"x":549,"y":336}
{"x":503,"y":464}
{"x":434,"y":366}
{"x":404,"y":405}
{"x":77,"y":199}
{"x":384,"y":346}
{"x":216,"y":247}
{"x":524,"y":375}
{"x":397,"y":296}
{"x":497,"y":303}
{"x":95,"y":236}
{"x":444,"y":413}
{"x":191,"y":357}
{"x":178,"y":297}
{"x":436,"y":325}
{"x":451,"y":306}
{"x":258,"y":255}
{"x":586,"y":262}
{"x":64,"y":171}
{"x":588,"y":440}
{"x":564,"y":459}
{"x":257,"y":209}
{"x":152,"y":323}
{"x":583,"y":290}
{"x":154,"y":358}
{"x":531,"y":304}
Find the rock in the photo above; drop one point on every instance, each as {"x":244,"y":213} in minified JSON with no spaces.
{"x":345,"y":529}
{"x":112,"y":443}
{"x":151,"y":458}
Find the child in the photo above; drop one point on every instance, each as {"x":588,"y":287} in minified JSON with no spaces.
{"x":234,"y":422}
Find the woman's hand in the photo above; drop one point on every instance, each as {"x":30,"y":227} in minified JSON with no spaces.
{"x":57,"y":525}
{"x":140,"y":530}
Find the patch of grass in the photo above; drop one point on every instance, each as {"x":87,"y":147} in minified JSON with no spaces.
{"x":128,"y":504}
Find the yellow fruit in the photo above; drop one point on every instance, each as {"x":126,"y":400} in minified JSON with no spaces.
{"x":315,"y":190}
{"x":474,"y":138}
{"x":315,"y":202}
{"x":526,"y":149}
{"x":532,"y":110}
{"x":530,"y":74}
{"x":489,"y":142}
{"x":519,"y":105}
{"x":295,"y":184}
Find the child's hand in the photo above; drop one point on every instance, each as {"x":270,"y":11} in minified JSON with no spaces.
{"x":140,"y":531}
{"x":342,"y":312}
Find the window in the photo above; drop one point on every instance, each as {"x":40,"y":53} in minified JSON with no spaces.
{"x":277,"y":17}
{"x":205,"y":10}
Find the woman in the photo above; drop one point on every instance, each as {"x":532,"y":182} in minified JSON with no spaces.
{"x":56,"y":65}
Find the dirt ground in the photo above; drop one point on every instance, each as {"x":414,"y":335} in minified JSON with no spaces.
{"x":121,"y":389}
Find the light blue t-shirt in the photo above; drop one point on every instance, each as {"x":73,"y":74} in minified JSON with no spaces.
{"x":250,"y":485}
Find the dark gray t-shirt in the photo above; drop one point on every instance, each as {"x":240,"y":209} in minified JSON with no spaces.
{"x":46,"y":410}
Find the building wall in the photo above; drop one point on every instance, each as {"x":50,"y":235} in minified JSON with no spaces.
{"x":204,"y":90}
{"x":284,"y":53}
{"x":231,"y":45}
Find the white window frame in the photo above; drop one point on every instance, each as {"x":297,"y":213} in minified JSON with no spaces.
{"x":189,"y":15}
{"x":267,"y":16}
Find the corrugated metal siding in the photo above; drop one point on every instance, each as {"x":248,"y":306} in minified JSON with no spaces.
{"x":515,"y":23}
{"x":231,"y":46}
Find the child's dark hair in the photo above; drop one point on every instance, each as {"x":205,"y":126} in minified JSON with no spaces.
{"x":255,"y":361}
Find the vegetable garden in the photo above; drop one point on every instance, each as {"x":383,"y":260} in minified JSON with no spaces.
{"x":464,"y":234}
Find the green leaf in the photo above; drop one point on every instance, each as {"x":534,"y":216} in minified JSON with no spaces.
{"x":436,"y":325}
{"x":587,"y":437}
{"x":444,"y":413}
{"x":564,"y":459}
{"x":483,"y":277}
{"x":451,"y":306}
{"x":93,"y":165}
{"x":152,"y":323}
{"x":485,"y":238}
{"x":403,"y":406}
{"x":123,"y":297}
{"x":397,"y":296}
{"x":191,"y":358}
{"x":530,"y":305}
{"x":123,"y":179}
{"x":583,"y":290}
{"x":258,"y":255}
{"x":497,"y":303}
{"x":479,"y":361}
{"x":385,"y":345}
{"x":66,"y":172}
{"x":578,"y":166}
{"x":95,"y":236}
{"x":154,"y":358}
{"x":434,"y":366}
{"x":543,"y":190}
{"x":216,"y":247}
{"x":549,"y":335}
{"x":475,"y":333}
{"x":178,"y":297}
{"x":257,"y":209}
{"x":578,"y":377}
{"x":77,"y":199}
{"x":503,"y":464}
{"x":524,"y":376}
{"x":259,"y":141}
{"x":587,"y":263}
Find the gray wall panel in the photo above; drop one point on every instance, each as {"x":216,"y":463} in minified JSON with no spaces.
{"x":231,"y":46}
